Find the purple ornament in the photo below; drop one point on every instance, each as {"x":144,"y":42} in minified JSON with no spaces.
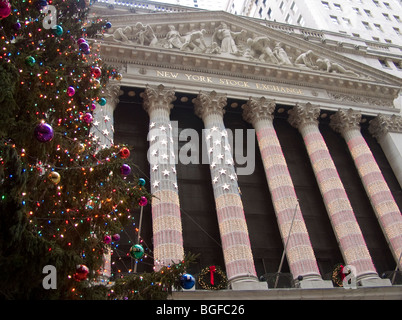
{"x":81,"y":40}
{"x":143,"y":201}
{"x":5,"y":9}
{"x":93,"y":106}
{"x":107,"y":239}
{"x":17,"y":26}
{"x":116,"y":237}
{"x":87,"y":117}
{"x":125,"y":170}
{"x":44,"y":132}
{"x":84,"y":46}
{"x":70,"y":91}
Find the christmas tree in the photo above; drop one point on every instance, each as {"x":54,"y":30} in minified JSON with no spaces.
{"x":62,"y":195}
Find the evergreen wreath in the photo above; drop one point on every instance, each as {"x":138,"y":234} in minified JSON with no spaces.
{"x":338,"y":275}
{"x":212,"y":278}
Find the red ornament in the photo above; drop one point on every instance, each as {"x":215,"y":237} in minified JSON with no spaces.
{"x":96,"y":72}
{"x":5,"y":9}
{"x":124,"y":153}
{"x":81,"y":272}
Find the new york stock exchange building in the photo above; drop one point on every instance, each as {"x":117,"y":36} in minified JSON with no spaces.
{"x":273,"y":152}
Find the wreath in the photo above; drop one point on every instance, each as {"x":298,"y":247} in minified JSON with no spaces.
{"x":338,"y":275}
{"x":212,"y":278}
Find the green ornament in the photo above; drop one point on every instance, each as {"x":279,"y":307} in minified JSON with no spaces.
{"x":57,"y":30}
{"x":30,"y":61}
{"x":137,"y":251}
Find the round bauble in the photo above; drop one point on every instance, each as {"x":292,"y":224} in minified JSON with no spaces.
{"x":81,"y":272}
{"x":17,"y":26}
{"x":187,"y":281}
{"x":30,"y":61}
{"x":108,"y":25}
{"x":5,"y":9}
{"x":70,"y":91}
{"x":107,"y":239}
{"x":44,"y":132}
{"x":84,"y":46}
{"x":125,"y":170}
{"x":96,"y":83}
{"x":141,"y":182}
{"x":116,"y":237}
{"x":54,"y":177}
{"x":96,"y":72}
{"x":102,"y":101}
{"x":57,"y":30}
{"x":124,"y":153}
{"x":137,"y":251}
{"x":87,"y":118}
{"x":143,"y":201}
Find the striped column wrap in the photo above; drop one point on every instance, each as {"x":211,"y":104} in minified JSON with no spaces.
{"x":300,"y":254}
{"x":166,"y":216}
{"x":385,"y":207}
{"x":233,"y":229}
{"x":343,"y":220}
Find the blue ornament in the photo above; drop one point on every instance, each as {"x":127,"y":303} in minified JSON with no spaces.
{"x":141,"y":181}
{"x":108,"y":25}
{"x":57,"y":30}
{"x":187,"y":281}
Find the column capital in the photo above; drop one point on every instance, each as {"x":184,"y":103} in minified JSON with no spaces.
{"x":112,"y":93}
{"x":383,"y":124}
{"x":209,"y":103}
{"x":345,"y":120}
{"x":257,"y":109}
{"x":158,"y":97}
{"x":302,"y":115}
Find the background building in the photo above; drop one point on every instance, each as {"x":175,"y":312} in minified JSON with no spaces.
{"x":327,"y":127}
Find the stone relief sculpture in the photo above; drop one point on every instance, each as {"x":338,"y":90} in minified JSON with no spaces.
{"x":329,"y":66}
{"x":226,"y":41}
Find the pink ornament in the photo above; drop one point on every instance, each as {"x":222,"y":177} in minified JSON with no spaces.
{"x":87,"y":118}
{"x":5,"y":9}
{"x":107,"y":239}
{"x":143,"y":201}
{"x":70,"y":91}
{"x":81,"y":40}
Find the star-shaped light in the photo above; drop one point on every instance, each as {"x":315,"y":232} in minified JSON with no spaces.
{"x":106,"y":118}
{"x":162,"y":127}
{"x":232,"y":177}
{"x":225,"y":186}
{"x":155,"y":167}
{"x":154,"y":152}
{"x":173,"y":169}
{"x":215,"y":180}
{"x":151,"y":125}
{"x":165,"y":172}
{"x":175,"y":185}
{"x":222,"y":171}
{"x":155,"y":184}
{"x":105,"y":132}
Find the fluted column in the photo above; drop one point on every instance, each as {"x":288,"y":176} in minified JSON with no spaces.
{"x":166,"y":217}
{"x":347,"y":122}
{"x":103,"y":128}
{"x":299,"y":251}
{"x":388,"y":132}
{"x":347,"y":231}
{"x":231,"y":219}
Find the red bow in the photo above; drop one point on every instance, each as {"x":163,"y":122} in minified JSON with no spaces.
{"x":212,"y":269}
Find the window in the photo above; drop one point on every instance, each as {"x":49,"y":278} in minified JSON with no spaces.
{"x":387,"y":40}
{"x":376,"y":3}
{"x":386,"y":4}
{"x":325,"y":4}
{"x":383,"y":63}
{"x":300,"y":20}
{"x":366,"y":25}
{"x":378,"y":27}
{"x":356,"y":35}
{"x":281,"y":6}
{"x":386,"y":16}
{"x":269,"y":13}
{"x":346,"y":21}
{"x":334,"y":19}
{"x":357,"y":11}
{"x":398,"y":65}
{"x":397,"y":18}
{"x":337,"y":7}
{"x":397,"y":31}
{"x":376,"y":39}
{"x":260,"y":12}
{"x":368,"y":12}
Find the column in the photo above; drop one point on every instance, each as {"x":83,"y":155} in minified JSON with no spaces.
{"x":388,"y":132}
{"x":166,"y":217}
{"x":229,"y":207}
{"x":299,"y":251}
{"x":103,"y":128}
{"x":339,"y":209}
{"x":102,"y":131}
{"x":347,"y":122}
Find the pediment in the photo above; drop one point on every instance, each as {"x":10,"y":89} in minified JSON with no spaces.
{"x":222,"y":43}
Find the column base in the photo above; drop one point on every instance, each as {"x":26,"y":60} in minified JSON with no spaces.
{"x":375,"y":282}
{"x":248,"y":284}
{"x":315,"y":284}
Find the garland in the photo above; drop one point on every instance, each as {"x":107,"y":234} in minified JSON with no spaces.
{"x":212,"y":278}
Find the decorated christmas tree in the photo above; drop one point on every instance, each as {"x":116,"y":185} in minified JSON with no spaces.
{"x":62,"y":196}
